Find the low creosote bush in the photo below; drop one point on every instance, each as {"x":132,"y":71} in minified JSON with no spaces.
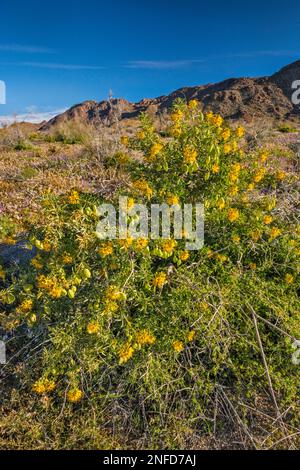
{"x":148,"y":327}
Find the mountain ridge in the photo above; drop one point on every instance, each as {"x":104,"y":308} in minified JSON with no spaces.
{"x":234,"y":98}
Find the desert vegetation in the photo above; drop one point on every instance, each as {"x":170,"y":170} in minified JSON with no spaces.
{"x":141,"y":343}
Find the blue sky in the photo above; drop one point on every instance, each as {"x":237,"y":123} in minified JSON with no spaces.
{"x":58,"y":53}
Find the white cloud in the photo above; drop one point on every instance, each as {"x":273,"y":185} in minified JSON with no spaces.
{"x":162,"y":64}
{"x":50,"y":65}
{"x":26,"y":49}
{"x":32,"y":116}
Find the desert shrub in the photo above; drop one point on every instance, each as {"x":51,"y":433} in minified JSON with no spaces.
{"x":156,"y":337}
{"x":69,"y":133}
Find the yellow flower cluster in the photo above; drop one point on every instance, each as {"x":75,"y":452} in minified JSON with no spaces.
{"x":25,"y":306}
{"x":215,"y":168}
{"x":226,"y":134}
{"x":51,"y":285}
{"x":172,"y":200}
{"x":259,"y":175}
{"x":178,"y":346}
{"x":106,"y":250}
{"x":143,"y":188}
{"x":126,"y":353}
{"x":73,"y":197}
{"x":43,"y":386}
{"x":215,"y":119}
{"x":168,"y":246}
{"x":184,"y":255}
{"x":189,"y":154}
{"x":275,"y":232}
{"x":240,"y":131}
{"x":193,"y":104}
{"x":233,"y":214}
{"x":144,"y":337}
{"x":93,"y":328}
{"x":141,"y":243}
{"x":155,"y":150}
{"x":74,"y":395}
{"x":289,"y":279}
{"x":177,"y":116}
{"x":160,"y":280}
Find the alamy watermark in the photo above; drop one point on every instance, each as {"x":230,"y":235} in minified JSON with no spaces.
{"x":296,"y":93}
{"x":2,"y":92}
{"x":158,"y":221}
{"x":2,"y":352}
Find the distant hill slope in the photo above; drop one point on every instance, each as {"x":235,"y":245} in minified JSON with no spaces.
{"x":234,"y":98}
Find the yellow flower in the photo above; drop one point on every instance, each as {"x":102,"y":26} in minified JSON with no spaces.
{"x":280,"y":175}
{"x":172,"y":200}
{"x":122,"y":158}
{"x":43,"y":386}
{"x":189,"y":154}
{"x":233,"y":214}
{"x":130,"y":203}
{"x":191,"y":335}
{"x":141,"y":135}
{"x":110,"y":307}
{"x":113,"y":293}
{"x":93,"y":328}
{"x":56,"y":292}
{"x":73,"y":197}
{"x":221,"y":204}
{"x":251,"y":187}
{"x":177,"y":116}
{"x":215,"y":168}
{"x":9,"y":241}
{"x":184,"y":255}
{"x":233,"y":190}
{"x":209,"y":116}
{"x":268,"y":219}
{"x":178,"y":346}
{"x":217,"y":120}
{"x":74,"y":395}
{"x":141,"y":243}
{"x":222,"y":258}
{"x":126,"y":243}
{"x":169,"y":245}
{"x":160,"y":280}
{"x":193,"y":104}
{"x":252,"y":266}
{"x":226,"y":134}
{"x":36,"y":263}
{"x":143,"y":188}
{"x":275,"y":232}
{"x":126,"y":353}
{"x":155,"y":149}
{"x":263,"y":156}
{"x":106,"y":250}
{"x":289,"y":279}
{"x":124,"y":140}
{"x":259,"y":175}
{"x":67,"y":258}
{"x":236,"y":168}
{"x":25,"y":306}
{"x":144,"y":337}
{"x":46,"y":245}
{"x":236,"y":238}
{"x":240,"y":131}
{"x":175,"y":130}
{"x":227,"y":148}
{"x":2,"y":273}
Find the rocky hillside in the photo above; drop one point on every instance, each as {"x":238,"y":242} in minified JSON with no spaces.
{"x":235,"y":98}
